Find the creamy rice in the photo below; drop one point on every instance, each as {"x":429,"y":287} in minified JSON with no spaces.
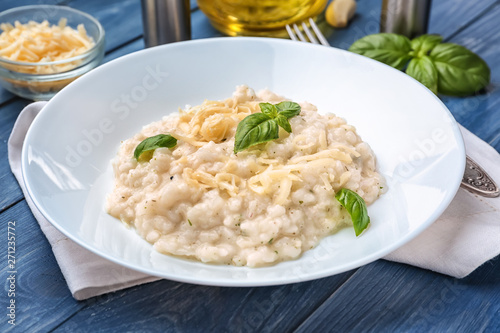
{"x":263,"y":205}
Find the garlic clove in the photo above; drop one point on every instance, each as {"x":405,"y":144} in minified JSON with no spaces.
{"x":339,"y":12}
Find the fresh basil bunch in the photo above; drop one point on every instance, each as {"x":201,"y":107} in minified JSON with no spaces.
{"x":444,"y":68}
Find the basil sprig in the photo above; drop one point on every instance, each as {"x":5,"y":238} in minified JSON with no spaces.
{"x":154,"y":142}
{"x":262,"y":127}
{"x":444,"y":68}
{"x":356,"y":207}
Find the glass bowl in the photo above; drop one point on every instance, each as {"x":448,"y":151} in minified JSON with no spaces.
{"x":42,"y":80}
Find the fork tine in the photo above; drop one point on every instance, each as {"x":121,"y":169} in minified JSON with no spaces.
{"x":290,"y":33}
{"x":298,"y":33}
{"x":320,"y":36}
{"x":309,"y":34}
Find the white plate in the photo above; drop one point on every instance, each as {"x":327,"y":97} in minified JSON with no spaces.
{"x":67,"y":152}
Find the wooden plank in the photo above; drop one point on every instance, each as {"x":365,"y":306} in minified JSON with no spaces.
{"x":121,"y":19}
{"x":8,"y":4}
{"x":42,"y":297}
{"x":9,"y":189}
{"x":481,"y":113}
{"x":134,"y":46}
{"x":450,"y":16}
{"x":167,"y":306}
{"x":390,"y":297}
{"x":5,"y":95}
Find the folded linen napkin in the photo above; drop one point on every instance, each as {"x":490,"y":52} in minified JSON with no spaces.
{"x":475,"y":222}
{"x":86,"y":274}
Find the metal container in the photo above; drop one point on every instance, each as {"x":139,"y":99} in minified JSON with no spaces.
{"x":165,"y":21}
{"x":405,"y":17}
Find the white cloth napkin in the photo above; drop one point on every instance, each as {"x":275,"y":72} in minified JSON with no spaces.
{"x":463,"y":238}
{"x":467,"y":234}
{"x":86,"y":274}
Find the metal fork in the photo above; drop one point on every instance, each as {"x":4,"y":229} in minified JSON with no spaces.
{"x":475,"y":179}
{"x":296,"y":34}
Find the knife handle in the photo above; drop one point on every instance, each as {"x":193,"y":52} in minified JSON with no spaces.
{"x":478,"y":181}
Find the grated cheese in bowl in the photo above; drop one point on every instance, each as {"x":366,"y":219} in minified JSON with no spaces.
{"x":42,"y":42}
{"x":43,"y":48}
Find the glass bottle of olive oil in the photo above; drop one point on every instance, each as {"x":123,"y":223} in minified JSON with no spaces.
{"x":258,"y":17}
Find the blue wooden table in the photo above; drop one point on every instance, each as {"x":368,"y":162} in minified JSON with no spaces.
{"x":379,"y":297}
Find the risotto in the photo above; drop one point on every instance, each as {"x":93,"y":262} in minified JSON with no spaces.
{"x":265,"y":204}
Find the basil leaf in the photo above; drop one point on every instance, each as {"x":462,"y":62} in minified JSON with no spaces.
{"x":422,"y":45}
{"x":283,"y":122}
{"x":154,"y":142}
{"x":269,"y":109}
{"x":262,"y":127}
{"x":461,"y":72}
{"x":423,"y":70}
{"x":356,"y":207}
{"x":391,"y":49}
{"x":254,"y":129}
{"x":288,"y":109}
